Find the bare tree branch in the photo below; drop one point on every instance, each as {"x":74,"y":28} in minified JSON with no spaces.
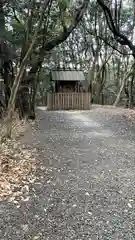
{"x":112,"y":46}
{"x":121,"y":38}
{"x":66,"y":31}
{"x":63,"y":35}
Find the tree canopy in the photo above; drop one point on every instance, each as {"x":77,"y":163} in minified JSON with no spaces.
{"x":94,"y":36}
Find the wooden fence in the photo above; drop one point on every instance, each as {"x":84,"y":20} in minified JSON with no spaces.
{"x":67,"y":101}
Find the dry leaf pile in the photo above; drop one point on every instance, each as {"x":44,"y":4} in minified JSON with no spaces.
{"x":130,"y":114}
{"x":17,"y":167}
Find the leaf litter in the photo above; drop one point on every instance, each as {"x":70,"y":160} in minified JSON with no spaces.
{"x":17,"y":166}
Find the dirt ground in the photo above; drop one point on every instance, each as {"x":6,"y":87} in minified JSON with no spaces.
{"x":85,"y":179}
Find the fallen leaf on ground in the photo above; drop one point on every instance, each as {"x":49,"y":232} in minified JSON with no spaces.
{"x":17,"y":167}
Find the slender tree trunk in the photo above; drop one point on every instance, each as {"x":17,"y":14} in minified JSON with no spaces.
{"x":122,"y":87}
{"x":15,"y":87}
{"x":99,"y":79}
{"x":33,"y":98}
{"x":6,"y":68}
{"x":131,"y":92}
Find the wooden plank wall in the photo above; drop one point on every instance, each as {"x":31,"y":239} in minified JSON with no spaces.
{"x":69,"y":101}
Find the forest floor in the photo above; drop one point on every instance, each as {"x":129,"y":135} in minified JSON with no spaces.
{"x":84,"y":181}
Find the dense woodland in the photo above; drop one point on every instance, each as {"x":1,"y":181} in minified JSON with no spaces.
{"x":37,"y":36}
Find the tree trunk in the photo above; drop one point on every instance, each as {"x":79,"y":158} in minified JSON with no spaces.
{"x":6,"y":67}
{"x":22,"y":103}
{"x":99,"y":78}
{"x":17,"y":81}
{"x":121,"y":88}
{"x":127,"y":95}
{"x":33,"y":99}
{"x":129,"y":89}
{"x":131,"y":92}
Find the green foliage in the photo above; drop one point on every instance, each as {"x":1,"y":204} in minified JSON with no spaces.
{"x":63,"y":5}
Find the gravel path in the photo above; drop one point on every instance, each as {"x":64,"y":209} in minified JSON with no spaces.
{"x":85,"y":182}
